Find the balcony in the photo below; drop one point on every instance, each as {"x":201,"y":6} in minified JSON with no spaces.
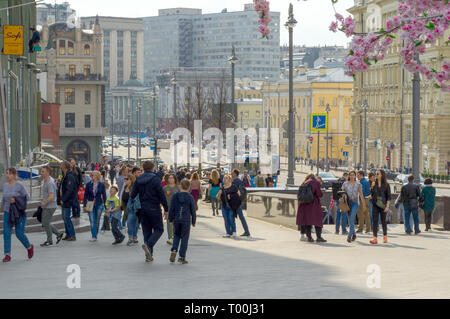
{"x":79,"y":77}
{"x":81,"y":131}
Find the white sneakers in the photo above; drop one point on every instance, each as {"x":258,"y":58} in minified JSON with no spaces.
{"x":234,"y":235}
{"x":93,"y":240}
{"x":303,"y":238}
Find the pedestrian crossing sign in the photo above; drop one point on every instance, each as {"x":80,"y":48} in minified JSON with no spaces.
{"x":319,"y":122}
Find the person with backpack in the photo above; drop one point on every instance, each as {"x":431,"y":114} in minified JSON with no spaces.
{"x":230,"y":197}
{"x":309,"y":208}
{"x":259,"y":180}
{"x":409,"y":196}
{"x":427,"y":201}
{"x":243,"y":197}
{"x":380,"y":194}
{"x":353,"y":189}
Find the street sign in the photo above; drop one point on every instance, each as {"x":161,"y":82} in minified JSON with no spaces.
{"x":345,"y":154}
{"x":152,"y":144}
{"x":13,"y":40}
{"x":319,"y":122}
{"x":375,"y":143}
{"x":311,"y":139}
{"x":388,"y":158}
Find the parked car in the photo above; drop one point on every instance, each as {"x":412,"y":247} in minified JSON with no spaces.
{"x":328,"y":179}
{"x":402,"y":179}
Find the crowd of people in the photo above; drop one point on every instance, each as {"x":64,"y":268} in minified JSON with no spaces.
{"x":139,"y":197}
{"x":366,"y":201}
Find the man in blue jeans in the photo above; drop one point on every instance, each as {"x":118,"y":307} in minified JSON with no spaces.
{"x":241,"y":187}
{"x":67,"y":196}
{"x":409,"y":196}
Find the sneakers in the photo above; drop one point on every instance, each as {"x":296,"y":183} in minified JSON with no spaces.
{"x":310,"y":240}
{"x":321,"y":240}
{"x":182,"y":261}
{"x":226,"y":236}
{"x":417,"y":233}
{"x":374,"y":241}
{"x":116,"y":242}
{"x":130,"y":243}
{"x":30,"y":252}
{"x":148,"y":255}
{"x":303,"y":238}
{"x":349,"y":239}
{"x":7,"y":259}
{"x":135,"y":241}
{"x":59,"y":238}
{"x":234,"y":235}
{"x":245,"y":235}
{"x":93,"y":240}
{"x":66,"y":238}
{"x":385,"y":239}
{"x":173,"y":254}
{"x":71,"y":239}
{"x":46,"y":244}
{"x":169,"y":242}
{"x":336,"y":232}
{"x":354,"y":237}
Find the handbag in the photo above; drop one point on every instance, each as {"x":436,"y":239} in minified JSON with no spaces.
{"x":90,"y":206}
{"x":380,"y":203}
{"x":343,"y":203}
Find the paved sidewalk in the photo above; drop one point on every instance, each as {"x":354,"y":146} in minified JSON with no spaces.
{"x":272,"y":264}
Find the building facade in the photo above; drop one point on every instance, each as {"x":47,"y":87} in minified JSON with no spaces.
{"x":49,"y":14}
{"x":249,"y":113}
{"x":388,"y":91}
{"x":187,"y":38}
{"x":73,"y":61}
{"x":123,"y":48}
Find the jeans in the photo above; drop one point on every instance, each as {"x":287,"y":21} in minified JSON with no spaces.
{"x":415,"y":214}
{"x":132,"y":224}
{"x":370,"y":212}
{"x":353,"y":210}
{"x":94,"y":219}
{"x":152,"y":227}
{"x":243,"y":221}
{"x":215,"y":205}
{"x":170,"y":230}
{"x":68,"y":225}
{"x":230,"y":224}
{"x":344,"y":217}
{"x":115,"y":229}
{"x":47,"y":215}
{"x":76,"y":209}
{"x":181,"y":233}
{"x":20,"y":233}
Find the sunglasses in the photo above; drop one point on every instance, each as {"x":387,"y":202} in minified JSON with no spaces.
{"x":127,"y":179}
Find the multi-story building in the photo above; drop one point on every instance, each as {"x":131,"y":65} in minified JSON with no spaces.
{"x":249,"y":113}
{"x":313,"y":90}
{"x":73,"y":61}
{"x":388,"y":91}
{"x":48,"y":13}
{"x":187,"y":38}
{"x":123,"y":48}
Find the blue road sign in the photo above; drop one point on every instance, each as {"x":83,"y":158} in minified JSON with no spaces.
{"x":345,"y":154}
{"x":319,"y":122}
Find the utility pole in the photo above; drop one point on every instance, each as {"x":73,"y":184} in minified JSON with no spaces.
{"x":328,"y":127}
{"x":112,"y":133}
{"x":365,"y":106}
{"x":416,"y":125}
{"x":129,"y":119}
{"x":318,"y":151}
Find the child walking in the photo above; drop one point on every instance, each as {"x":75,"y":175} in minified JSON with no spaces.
{"x":181,"y":215}
{"x":170,"y":189}
{"x":113,"y":210}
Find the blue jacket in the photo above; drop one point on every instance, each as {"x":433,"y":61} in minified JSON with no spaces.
{"x":100,"y":197}
{"x":182,"y":208}
{"x":365,"y":187}
{"x":133,"y":205}
{"x":149,"y":188}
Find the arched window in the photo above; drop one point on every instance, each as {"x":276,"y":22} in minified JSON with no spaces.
{"x":87,"y":49}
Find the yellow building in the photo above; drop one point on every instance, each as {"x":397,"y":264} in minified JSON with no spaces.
{"x":313,"y":90}
{"x":249,"y":113}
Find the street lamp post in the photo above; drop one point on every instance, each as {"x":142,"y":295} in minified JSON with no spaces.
{"x":416,"y":126}
{"x":233,"y":60}
{"x":138,"y":135}
{"x":174,"y":83}
{"x":290,"y":24}
{"x":112,"y":132}
{"x":328,"y":128}
{"x":129,"y":120}
{"x":365,"y":106}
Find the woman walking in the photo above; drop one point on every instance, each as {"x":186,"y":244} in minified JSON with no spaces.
{"x":230,"y":197}
{"x":355,"y":197}
{"x":196,"y":188}
{"x":170,"y":189}
{"x":310,"y":214}
{"x":94,"y":203}
{"x":121,"y":184}
{"x":427,"y":200}
{"x":128,"y":208}
{"x":14,"y":200}
{"x":381,"y":198}
{"x":214,"y":187}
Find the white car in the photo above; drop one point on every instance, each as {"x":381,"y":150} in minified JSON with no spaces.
{"x":402,"y":179}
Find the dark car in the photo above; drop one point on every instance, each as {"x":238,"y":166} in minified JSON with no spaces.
{"x":328,"y":179}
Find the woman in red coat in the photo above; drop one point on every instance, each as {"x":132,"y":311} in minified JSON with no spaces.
{"x":311,"y":214}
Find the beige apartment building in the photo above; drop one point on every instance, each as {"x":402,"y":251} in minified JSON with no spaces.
{"x":388,"y":90}
{"x":123,"y":48}
{"x":72,"y":59}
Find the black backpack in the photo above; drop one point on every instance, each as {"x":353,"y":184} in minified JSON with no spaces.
{"x":305,"y":194}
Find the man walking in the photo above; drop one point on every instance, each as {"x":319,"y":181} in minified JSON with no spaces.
{"x":49,"y":206}
{"x":241,"y":187}
{"x":409,"y":196}
{"x":363,"y":212}
{"x":151,"y":195}
{"x":67,"y":196}
{"x":79,"y":179}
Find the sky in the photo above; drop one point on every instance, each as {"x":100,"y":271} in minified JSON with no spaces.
{"x":313,"y":16}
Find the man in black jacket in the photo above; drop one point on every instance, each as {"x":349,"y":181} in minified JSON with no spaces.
{"x":67,"y":196}
{"x":151,"y":195}
{"x":409,"y":196}
{"x":79,"y":179}
{"x":241,"y":187}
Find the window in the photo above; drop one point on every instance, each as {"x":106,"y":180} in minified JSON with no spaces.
{"x":87,"y":97}
{"x":72,"y":70}
{"x":62,"y":47}
{"x":258,"y":114}
{"x":70,"y":120}
{"x":69,"y":96}
{"x":70,"y":48}
{"x":87,"y":50}
{"x":87,"y":70}
{"x":87,"y":121}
